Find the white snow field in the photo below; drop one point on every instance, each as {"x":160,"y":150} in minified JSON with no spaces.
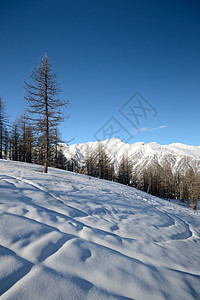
{"x":68,"y":236}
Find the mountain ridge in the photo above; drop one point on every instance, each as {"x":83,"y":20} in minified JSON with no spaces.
{"x":179,"y":156}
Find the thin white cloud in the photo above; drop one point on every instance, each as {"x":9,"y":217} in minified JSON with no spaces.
{"x":146,"y":129}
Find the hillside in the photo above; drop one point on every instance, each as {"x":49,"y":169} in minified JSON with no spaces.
{"x":67,"y":236}
{"x":179,"y":156}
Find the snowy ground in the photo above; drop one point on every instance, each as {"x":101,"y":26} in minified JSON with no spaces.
{"x":65,"y":236}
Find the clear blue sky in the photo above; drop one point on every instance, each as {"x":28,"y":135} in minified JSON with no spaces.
{"x":104,"y":52}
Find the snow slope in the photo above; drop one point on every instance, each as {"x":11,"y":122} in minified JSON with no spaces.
{"x":179,"y":156}
{"x":67,"y":236}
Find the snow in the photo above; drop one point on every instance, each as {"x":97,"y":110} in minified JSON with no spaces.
{"x":69,"y":236}
{"x":180,"y":156}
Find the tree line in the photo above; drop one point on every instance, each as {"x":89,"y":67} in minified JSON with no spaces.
{"x":154,"y":179}
{"x":27,"y":141}
{"x":34,"y":136}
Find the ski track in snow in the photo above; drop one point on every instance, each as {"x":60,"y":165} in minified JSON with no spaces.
{"x":100,"y":239}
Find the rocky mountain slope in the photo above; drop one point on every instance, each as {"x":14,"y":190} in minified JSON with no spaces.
{"x":179,"y":156}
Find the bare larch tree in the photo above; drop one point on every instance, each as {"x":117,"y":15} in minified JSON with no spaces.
{"x":44,"y":105}
{"x":3,"y":128}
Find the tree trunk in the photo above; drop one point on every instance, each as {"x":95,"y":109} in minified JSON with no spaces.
{"x":47,"y":129}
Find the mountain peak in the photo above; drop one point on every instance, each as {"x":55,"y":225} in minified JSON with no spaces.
{"x":179,"y":156}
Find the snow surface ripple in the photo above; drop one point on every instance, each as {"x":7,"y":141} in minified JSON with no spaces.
{"x":69,"y":236}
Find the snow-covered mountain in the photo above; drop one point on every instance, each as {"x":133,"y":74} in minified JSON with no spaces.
{"x":179,"y":156}
{"x":68,"y":236}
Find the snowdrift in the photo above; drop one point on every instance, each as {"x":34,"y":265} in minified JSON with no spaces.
{"x":69,"y":236}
